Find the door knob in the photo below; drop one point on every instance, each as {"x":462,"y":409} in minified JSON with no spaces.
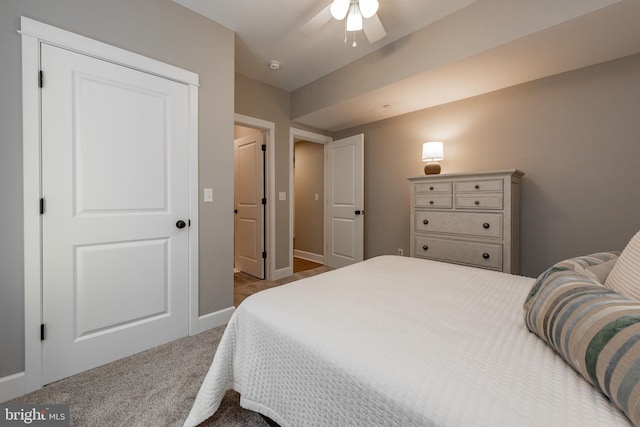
{"x":181,"y":224}
{"x":358,"y":212}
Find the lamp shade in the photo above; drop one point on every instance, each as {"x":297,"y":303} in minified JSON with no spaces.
{"x":354,"y":19}
{"x":432,"y":151}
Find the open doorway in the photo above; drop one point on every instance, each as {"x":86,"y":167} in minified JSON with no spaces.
{"x":308,"y":205}
{"x":309,"y":245}
{"x":343,"y":203}
{"x":245,"y":125}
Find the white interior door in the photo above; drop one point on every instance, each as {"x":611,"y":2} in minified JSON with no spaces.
{"x":344,"y":218}
{"x":249,"y":210}
{"x":115,"y":184}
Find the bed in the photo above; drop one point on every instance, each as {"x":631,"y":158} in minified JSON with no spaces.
{"x":397,"y":341}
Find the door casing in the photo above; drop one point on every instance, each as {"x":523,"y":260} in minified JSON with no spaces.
{"x":33,"y":34}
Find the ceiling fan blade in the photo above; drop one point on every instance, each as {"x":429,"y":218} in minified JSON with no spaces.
{"x":315,"y":23}
{"x":373,"y":29}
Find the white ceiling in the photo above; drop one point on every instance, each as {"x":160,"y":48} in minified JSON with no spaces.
{"x":436,"y":51}
{"x":271,"y":30}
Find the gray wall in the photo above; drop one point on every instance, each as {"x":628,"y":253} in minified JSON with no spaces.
{"x":309,"y":212}
{"x":159,"y":29}
{"x":575,"y":135}
{"x":261,"y":101}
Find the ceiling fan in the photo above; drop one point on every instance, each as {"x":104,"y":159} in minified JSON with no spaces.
{"x":359,"y":14}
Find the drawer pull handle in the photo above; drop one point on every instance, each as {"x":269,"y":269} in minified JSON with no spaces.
{"x":477,"y":186}
{"x":486,"y":225}
{"x":431,"y":188}
{"x":477,"y":202}
{"x":425,"y":247}
{"x":485,"y":255}
{"x":425,"y":221}
{"x":430,"y":202}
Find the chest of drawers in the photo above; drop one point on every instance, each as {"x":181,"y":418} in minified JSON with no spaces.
{"x":467,"y":218}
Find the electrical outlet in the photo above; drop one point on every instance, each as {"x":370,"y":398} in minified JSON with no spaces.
{"x":400,"y":252}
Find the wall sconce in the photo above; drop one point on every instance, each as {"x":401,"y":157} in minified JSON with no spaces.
{"x":432,"y":152}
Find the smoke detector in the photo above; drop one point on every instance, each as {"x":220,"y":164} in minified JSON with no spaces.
{"x":274,"y":65}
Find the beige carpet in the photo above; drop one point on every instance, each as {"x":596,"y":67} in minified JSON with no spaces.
{"x":154,"y":388}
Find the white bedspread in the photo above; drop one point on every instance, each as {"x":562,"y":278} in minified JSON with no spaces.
{"x":397,"y":341}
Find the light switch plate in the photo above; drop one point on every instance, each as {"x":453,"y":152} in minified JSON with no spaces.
{"x":208,"y":195}
{"x":282,"y":195}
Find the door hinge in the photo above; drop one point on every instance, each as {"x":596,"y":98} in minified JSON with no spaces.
{"x":264,"y":147}
{"x":42,"y":332}
{"x":41,"y":79}
{"x":264,"y":200}
{"x":41,"y":205}
{"x":264,"y":255}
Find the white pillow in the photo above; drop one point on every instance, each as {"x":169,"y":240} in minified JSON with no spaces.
{"x":625,"y":275}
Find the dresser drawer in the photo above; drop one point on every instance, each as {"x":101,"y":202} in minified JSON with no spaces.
{"x":479,"y":202}
{"x":471,"y":224}
{"x":491,"y":185}
{"x":434,"y":202}
{"x":433,"y":187}
{"x":485,"y":255}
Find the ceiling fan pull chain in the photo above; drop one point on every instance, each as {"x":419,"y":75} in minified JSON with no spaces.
{"x":345,"y":31}
{"x":354,"y":40}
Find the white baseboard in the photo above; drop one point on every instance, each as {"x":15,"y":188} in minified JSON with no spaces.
{"x":282,"y":273}
{"x":215,"y":319}
{"x":13,"y":386}
{"x":308,"y":256}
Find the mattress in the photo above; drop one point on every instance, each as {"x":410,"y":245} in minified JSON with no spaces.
{"x":398,"y":341}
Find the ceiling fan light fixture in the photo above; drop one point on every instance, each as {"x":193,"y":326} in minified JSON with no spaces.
{"x":354,"y":19}
{"x":368,"y":8}
{"x":339,"y":9}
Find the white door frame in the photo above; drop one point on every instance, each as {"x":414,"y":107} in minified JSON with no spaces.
{"x":311,"y":137}
{"x":269,"y":129}
{"x":33,"y":34}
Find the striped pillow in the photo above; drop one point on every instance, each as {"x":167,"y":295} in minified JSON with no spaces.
{"x":596,"y":330}
{"x":625,"y":276}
